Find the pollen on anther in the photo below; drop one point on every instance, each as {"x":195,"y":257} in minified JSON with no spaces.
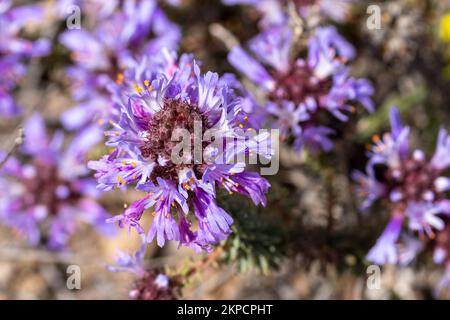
{"x":376,"y":138}
{"x":119,"y":79}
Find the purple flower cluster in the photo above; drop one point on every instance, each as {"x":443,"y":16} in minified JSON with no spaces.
{"x":98,"y":8}
{"x":298,"y":90}
{"x":415,"y":189}
{"x":14,"y":50}
{"x":150,"y":284}
{"x":45,"y":196}
{"x":274,"y":11}
{"x":124,"y":31}
{"x":157,"y":100}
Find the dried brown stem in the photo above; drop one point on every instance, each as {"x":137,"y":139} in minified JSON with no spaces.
{"x":17,"y":142}
{"x":202,"y":264}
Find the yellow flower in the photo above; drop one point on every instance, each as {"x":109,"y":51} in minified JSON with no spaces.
{"x":444,"y":31}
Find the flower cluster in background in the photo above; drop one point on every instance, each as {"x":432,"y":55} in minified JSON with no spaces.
{"x":445,"y":28}
{"x":299,"y":90}
{"x":150,"y":284}
{"x":415,"y":189}
{"x":275,"y":12}
{"x":123,"y":33}
{"x":15,"y":50}
{"x":50,"y":192}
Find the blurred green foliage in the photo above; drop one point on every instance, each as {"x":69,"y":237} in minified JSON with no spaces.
{"x":374,"y":123}
{"x":258,"y":241}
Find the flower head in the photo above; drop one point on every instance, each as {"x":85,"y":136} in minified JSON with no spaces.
{"x":124,"y":31}
{"x":180,"y":136}
{"x":14,"y":50}
{"x":150,"y":284}
{"x":274,"y":12}
{"x":43,"y":198}
{"x":300,"y":90}
{"x":415,"y":190}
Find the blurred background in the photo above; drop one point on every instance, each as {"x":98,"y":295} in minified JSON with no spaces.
{"x":311,"y":241}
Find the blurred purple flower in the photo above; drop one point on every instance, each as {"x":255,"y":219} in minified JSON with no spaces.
{"x":45,"y":197}
{"x":14,"y":50}
{"x":124,"y":31}
{"x":297,"y":89}
{"x":415,"y":189}
{"x":274,"y":12}
{"x":443,"y":286}
{"x":154,"y":104}
{"x":133,"y":263}
{"x":150,"y":283}
{"x":441,"y":255}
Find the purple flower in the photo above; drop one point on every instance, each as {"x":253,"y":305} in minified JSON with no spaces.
{"x":163,"y":108}
{"x":274,"y":12}
{"x":133,"y":263}
{"x":385,"y":250}
{"x":150,"y":284}
{"x":368,"y":188}
{"x":45,"y":198}
{"x":443,"y":286}
{"x":154,"y":285}
{"x":14,"y":50}
{"x":441,"y":255}
{"x":337,"y":10}
{"x":298,"y":90}
{"x":415,"y":190}
{"x":124,"y":31}
{"x":93,"y":8}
